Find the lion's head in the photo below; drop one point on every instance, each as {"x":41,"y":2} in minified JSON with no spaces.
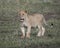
{"x":22,"y":15}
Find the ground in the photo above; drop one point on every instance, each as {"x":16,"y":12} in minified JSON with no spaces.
{"x":10,"y":32}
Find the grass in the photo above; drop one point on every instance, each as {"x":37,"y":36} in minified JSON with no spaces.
{"x":50,"y":39}
{"x":10,"y":25}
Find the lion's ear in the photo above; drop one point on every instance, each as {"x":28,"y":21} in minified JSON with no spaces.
{"x":25,"y":11}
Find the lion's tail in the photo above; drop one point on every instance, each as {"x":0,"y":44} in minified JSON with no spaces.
{"x":45,"y":21}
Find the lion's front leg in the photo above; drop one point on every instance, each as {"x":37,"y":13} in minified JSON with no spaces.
{"x":28,"y":32}
{"x":23,"y":32}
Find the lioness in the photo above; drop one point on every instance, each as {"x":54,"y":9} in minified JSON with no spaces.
{"x":32,"y":21}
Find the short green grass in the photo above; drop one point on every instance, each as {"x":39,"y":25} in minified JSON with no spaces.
{"x":50,"y":39}
{"x":10,"y":32}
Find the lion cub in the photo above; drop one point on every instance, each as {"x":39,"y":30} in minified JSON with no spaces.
{"x":31,"y":21}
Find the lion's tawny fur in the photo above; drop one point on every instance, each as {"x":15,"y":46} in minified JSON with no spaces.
{"x":32,"y":21}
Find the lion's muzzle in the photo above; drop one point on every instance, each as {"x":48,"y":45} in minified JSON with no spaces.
{"x":22,"y":19}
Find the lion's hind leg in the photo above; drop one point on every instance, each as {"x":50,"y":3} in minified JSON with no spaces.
{"x":40,"y":31}
{"x":43,"y":31}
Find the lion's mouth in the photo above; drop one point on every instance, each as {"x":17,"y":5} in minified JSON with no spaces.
{"x":22,"y":19}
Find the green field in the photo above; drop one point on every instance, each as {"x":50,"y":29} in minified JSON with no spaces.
{"x":10,"y":25}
